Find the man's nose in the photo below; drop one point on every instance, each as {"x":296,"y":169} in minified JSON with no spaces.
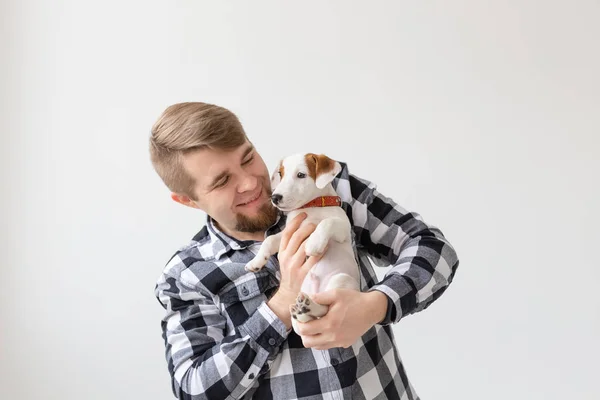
{"x":248,"y":183}
{"x":276,"y":198}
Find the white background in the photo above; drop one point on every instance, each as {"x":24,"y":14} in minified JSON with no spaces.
{"x":483,"y":118}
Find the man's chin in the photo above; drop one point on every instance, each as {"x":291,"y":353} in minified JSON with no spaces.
{"x":262,"y":220}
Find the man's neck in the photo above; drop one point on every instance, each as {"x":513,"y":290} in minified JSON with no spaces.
{"x":256,"y":236}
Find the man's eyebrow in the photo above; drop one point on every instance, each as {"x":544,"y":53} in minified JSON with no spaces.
{"x":247,"y":151}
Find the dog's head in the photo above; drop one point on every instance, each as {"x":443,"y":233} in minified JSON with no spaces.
{"x":300,"y":178}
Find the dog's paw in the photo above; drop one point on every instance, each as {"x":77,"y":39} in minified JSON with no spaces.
{"x":301,"y":311}
{"x":256,"y":264}
{"x":306,"y":310}
{"x":315,"y":245}
{"x":294,"y":311}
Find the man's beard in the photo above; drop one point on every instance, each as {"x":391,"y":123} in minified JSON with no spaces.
{"x":267,"y":215}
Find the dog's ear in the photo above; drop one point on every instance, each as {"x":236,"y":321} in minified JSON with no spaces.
{"x":277,"y":175}
{"x":322,"y":169}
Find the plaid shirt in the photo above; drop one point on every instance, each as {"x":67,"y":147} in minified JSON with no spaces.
{"x":223,"y":342}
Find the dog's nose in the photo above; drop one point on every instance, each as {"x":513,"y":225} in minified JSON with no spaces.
{"x":276,"y":198}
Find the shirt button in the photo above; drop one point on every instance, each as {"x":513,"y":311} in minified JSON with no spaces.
{"x":251,"y":376}
{"x":245,"y":291}
{"x":272,"y":342}
{"x":334,"y":361}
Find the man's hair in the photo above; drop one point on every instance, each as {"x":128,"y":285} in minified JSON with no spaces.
{"x":185,"y":127}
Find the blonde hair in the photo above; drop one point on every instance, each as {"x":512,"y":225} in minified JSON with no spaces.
{"x":186,"y":127}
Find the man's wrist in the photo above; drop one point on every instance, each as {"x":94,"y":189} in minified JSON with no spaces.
{"x":280,"y":305}
{"x":377,"y":305}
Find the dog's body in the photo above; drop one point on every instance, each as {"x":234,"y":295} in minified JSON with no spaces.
{"x":302,"y":183}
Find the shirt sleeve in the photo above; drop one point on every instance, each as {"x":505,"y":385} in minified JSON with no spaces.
{"x":423,"y":262}
{"x":203,"y":361}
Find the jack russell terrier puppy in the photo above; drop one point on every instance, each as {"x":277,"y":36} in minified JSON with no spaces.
{"x":302,"y":183}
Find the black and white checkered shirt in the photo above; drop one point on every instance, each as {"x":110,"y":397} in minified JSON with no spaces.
{"x":223,"y":341}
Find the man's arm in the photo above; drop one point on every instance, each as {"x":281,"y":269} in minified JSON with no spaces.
{"x":423,"y":261}
{"x":202,"y":361}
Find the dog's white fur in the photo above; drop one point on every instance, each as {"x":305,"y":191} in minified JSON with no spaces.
{"x":337,"y":268}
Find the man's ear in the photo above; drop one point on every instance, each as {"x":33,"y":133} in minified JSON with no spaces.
{"x":325,"y":169}
{"x":277,"y":175}
{"x":183,"y":199}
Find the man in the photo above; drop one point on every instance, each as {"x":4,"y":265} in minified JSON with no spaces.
{"x":228,"y":332}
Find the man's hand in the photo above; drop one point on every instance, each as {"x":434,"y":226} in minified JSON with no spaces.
{"x":350,"y":315}
{"x":293,"y":266}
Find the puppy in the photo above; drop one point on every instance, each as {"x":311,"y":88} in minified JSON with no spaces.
{"x":302,"y":183}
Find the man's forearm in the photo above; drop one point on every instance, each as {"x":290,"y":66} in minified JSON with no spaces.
{"x":423,"y":271}
{"x":193,"y":356}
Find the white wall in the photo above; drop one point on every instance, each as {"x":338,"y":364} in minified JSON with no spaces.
{"x":483,"y":118}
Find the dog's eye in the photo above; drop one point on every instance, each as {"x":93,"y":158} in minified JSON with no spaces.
{"x":301,"y":175}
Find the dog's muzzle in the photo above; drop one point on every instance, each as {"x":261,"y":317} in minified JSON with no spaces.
{"x":276,"y":198}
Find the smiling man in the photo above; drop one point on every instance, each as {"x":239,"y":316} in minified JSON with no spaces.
{"x":227,"y":332}
{"x":245,"y":212}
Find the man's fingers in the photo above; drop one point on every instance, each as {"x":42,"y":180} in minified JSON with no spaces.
{"x":318,"y":342}
{"x":298,"y":237}
{"x":312,"y":328}
{"x":299,"y":257}
{"x":310,"y":262}
{"x":325,"y":298}
{"x":289,"y":230}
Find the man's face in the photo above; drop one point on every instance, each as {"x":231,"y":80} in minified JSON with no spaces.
{"x":233,"y":187}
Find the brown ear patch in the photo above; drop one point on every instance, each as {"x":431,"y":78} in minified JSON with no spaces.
{"x":318,"y":164}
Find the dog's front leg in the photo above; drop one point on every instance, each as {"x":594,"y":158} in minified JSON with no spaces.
{"x":334,"y":228}
{"x":267,"y":249}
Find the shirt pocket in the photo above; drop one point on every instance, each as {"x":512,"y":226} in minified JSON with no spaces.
{"x":241,"y":297}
